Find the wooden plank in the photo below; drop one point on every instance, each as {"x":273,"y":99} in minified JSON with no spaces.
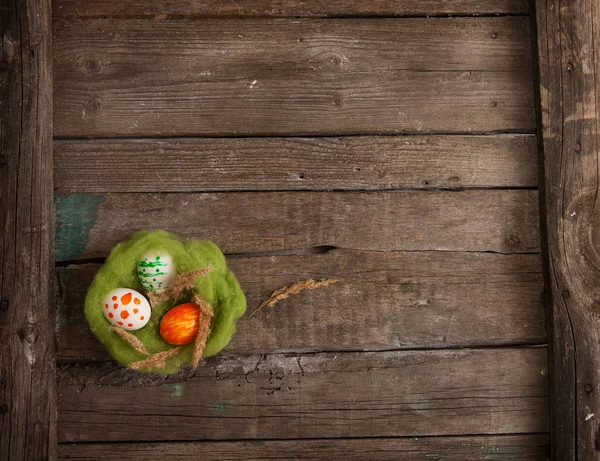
{"x":530,"y":447}
{"x":367,"y":394}
{"x":219,"y":8}
{"x":281,"y":76}
{"x":351,"y":163}
{"x":27,"y":376}
{"x":569,"y":66}
{"x":388,"y":300}
{"x":505,"y":221}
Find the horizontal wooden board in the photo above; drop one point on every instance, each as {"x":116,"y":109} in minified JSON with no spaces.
{"x":506,"y":221}
{"x":529,"y":447}
{"x":387,"y":300}
{"x":282,"y":76}
{"x":218,"y":8}
{"x":349,"y":163}
{"x":367,"y":394}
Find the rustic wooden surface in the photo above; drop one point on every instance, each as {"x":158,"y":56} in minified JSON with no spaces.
{"x":219,"y":8}
{"x":367,"y":394}
{"x":532,"y":447}
{"x":387,"y":301}
{"x":27,"y":369}
{"x":351,"y":163}
{"x":504,"y":221}
{"x":568,"y":45}
{"x":283,"y":76}
{"x":289,"y":196}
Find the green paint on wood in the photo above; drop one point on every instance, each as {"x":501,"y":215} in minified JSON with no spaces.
{"x":177,"y":391}
{"x":502,"y":453}
{"x":219,"y":408}
{"x":74,"y":217}
{"x":68,"y":322}
{"x":420,"y":406}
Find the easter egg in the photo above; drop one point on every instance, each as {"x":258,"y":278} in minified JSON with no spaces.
{"x":156,"y":271}
{"x":127,"y":308}
{"x":180,"y":326}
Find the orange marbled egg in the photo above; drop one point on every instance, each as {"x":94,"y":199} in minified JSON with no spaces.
{"x":180,"y":325}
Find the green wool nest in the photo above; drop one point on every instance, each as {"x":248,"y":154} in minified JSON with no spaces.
{"x":219,"y":288}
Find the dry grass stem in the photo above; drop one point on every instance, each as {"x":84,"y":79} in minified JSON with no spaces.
{"x":155,"y":361}
{"x":294,"y":289}
{"x":181,"y":283}
{"x":131,"y":339}
{"x":204,"y":318}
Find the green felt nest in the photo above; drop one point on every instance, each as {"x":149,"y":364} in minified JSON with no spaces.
{"x":220,"y":288}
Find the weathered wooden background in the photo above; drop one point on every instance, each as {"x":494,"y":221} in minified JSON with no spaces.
{"x":389,"y":143}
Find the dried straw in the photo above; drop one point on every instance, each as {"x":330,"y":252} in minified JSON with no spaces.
{"x":204,"y":318}
{"x":181,"y":283}
{"x":157,"y":360}
{"x":187,"y":280}
{"x":131,"y":339}
{"x":294,"y":289}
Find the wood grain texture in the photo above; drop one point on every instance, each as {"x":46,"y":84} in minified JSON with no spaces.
{"x":27,"y":374}
{"x":569,"y":65}
{"x":531,"y":447}
{"x":218,"y":8}
{"x":387,"y":300}
{"x":368,"y":394}
{"x":280,"y":76}
{"x":503,"y":221}
{"x":351,"y":163}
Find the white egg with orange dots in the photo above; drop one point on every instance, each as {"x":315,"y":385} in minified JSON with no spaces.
{"x":127,"y":308}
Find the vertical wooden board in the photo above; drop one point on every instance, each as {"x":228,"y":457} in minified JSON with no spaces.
{"x":27,"y":373}
{"x":530,"y":447}
{"x":387,"y":300}
{"x":408,"y":393}
{"x":218,"y":8}
{"x":347,"y":163}
{"x":569,"y":65}
{"x":273,"y":76}
{"x":505,"y":221}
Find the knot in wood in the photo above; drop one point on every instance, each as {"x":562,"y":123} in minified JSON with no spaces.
{"x":580,"y":245}
{"x":92,"y":65}
{"x":92,"y":108}
{"x":30,"y":333}
{"x":512,"y":242}
{"x":331,"y":59}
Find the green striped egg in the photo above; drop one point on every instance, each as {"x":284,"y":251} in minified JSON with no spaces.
{"x":156,"y":271}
